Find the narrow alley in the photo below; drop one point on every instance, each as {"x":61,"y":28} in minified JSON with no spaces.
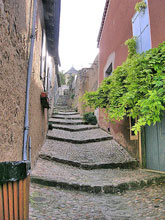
{"x":82,"y":110}
{"x":82,"y":173}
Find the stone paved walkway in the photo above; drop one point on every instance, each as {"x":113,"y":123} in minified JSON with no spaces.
{"x":99,"y":180}
{"x":72,"y":128}
{"x":93,"y":167}
{"x":82,"y":137}
{"x":48,"y":203}
{"x":92,"y":153}
{"x":77,"y":116}
{"x":66,"y":121}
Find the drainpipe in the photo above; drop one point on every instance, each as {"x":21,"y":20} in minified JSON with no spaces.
{"x":26,"y":122}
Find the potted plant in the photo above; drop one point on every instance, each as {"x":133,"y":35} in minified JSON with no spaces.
{"x":44,"y":100}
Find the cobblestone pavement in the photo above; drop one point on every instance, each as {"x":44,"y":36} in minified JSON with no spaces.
{"x":53,"y":203}
{"x":76,"y":127}
{"x":56,"y":120}
{"x":48,"y":203}
{"x":93,"y":153}
{"x":65,"y":113}
{"x":89,"y":134}
{"x":78,"y":116}
{"x":105,"y":180}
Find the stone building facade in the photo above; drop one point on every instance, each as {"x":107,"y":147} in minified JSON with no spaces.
{"x":15,"y":41}
{"x":87,"y":80}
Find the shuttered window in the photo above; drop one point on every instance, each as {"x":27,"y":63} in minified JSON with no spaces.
{"x":141,"y":29}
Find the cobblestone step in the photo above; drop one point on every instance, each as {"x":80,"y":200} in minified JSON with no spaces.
{"x":74,"y":128}
{"x":63,"y":110}
{"x":67,"y":118}
{"x":88,"y":156}
{"x":66,"y":113}
{"x":82,"y":137}
{"x":92,"y":166}
{"x":66,"y":122}
{"x":95,"y":181}
{"x":79,"y":141}
{"x":61,"y":106}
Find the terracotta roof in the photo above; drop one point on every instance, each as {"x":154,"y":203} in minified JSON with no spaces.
{"x":102,"y":22}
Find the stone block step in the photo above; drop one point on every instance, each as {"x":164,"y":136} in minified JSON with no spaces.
{"x":66,"y":121}
{"x":62,"y":107}
{"x":91,"y":166}
{"x":95,"y":181}
{"x":69,"y":111}
{"x":88,"y":156}
{"x":66,"y":113}
{"x":68,"y":118}
{"x":89,"y":140}
{"x":79,"y":137}
{"x":74,"y":128}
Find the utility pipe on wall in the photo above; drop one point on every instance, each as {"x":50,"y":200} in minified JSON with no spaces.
{"x":26,"y":122}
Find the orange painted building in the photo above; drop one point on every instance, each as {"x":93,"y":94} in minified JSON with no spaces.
{"x":117,"y":26}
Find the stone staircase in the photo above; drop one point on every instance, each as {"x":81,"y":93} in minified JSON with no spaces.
{"x":78,"y":156}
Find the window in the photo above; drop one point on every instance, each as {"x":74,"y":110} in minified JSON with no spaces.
{"x":109,"y":71}
{"x":132,"y":122}
{"x":109,"y":66}
{"x":141,"y":29}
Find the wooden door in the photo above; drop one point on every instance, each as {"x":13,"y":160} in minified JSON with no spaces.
{"x":155,"y":146}
{"x":155,"y":135}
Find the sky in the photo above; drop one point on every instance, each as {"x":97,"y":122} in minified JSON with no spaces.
{"x":79,"y":27}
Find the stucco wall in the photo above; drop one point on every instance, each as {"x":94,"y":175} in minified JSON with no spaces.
{"x":15,"y":32}
{"x":13,"y":66}
{"x":157,"y":21}
{"x":37,"y":115}
{"x":117,"y":29}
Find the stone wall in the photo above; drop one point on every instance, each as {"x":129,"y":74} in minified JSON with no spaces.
{"x":15,"y":32}
{"x":87,"y":80}
{"x":13,"y":68}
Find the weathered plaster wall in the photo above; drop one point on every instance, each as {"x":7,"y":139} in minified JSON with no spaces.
{"x":117,"y":29}
{"x":15,"y":32}
{"x":37,"y":115}
{"x":87,"y":80}
{"x":13,"y":66}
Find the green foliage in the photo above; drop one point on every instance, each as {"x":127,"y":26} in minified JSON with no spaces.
{"x":131,"y":43}
{"x":72,"y":96}
{"x":140,"y":6}
{"x":70,"y":81}
{"x":62,"y":78}
{"x":90,"y":118}
{"x":136,"y":89}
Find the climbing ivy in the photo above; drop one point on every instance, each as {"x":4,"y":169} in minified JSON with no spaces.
{"x":135,"y":89}
{"x":131,"y":44}
{"x":140,"y":6}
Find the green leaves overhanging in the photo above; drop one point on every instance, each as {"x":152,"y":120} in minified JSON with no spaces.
{"x":135,"y":89}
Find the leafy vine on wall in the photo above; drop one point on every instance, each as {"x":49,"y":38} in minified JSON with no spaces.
{"x":135,"y":89}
